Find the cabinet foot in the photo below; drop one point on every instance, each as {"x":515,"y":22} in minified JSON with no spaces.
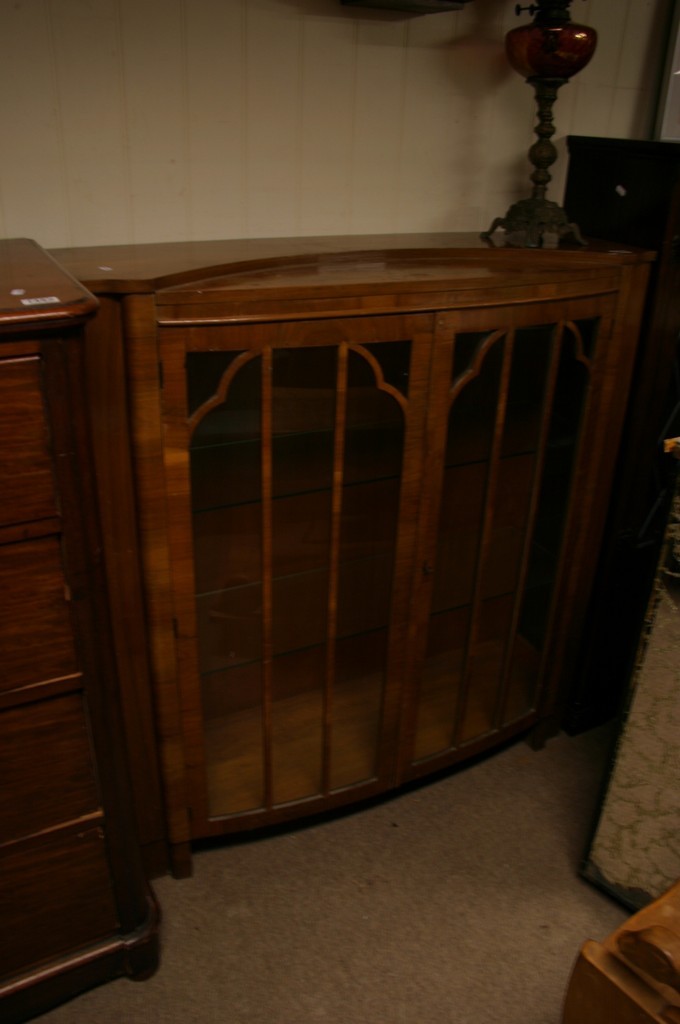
{"x":142,"y":950}
{"x":542,"y":732}
{"x":180,"y":860}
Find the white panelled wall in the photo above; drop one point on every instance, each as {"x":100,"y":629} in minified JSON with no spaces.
{"x":153,"y":120}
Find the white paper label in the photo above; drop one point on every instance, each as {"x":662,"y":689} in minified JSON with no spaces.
{"x":45,"y":300}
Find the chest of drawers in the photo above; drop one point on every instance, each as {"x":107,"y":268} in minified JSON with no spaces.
{"x":74,"y":905}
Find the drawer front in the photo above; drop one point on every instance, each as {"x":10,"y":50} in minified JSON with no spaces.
{"x":45,"y":766}
{"x":27,"y":488}
{"x":54,"y":898}
{"x":35,"y":623}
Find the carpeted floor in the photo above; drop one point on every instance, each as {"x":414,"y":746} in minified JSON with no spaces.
{"x":457,"y":902}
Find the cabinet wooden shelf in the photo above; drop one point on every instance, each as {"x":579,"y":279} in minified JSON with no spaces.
{"x":371,"y":484}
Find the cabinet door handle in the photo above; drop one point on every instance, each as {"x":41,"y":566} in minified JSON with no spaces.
{"x":428,"y":569}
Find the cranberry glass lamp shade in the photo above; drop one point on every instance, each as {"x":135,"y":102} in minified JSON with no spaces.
{"x":550,"y":52}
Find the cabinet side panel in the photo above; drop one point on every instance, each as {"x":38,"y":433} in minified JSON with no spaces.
{"x":613,"y":365}
{"x":147,"y":447}
{"x":108,"y":404}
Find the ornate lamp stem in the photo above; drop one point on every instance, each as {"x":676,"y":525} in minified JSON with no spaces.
{"x":547,"y":53}
{"x":543,"y":153}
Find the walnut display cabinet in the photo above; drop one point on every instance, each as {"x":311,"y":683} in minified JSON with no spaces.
{"x":371,"y":477}
{"x":74,"y":905}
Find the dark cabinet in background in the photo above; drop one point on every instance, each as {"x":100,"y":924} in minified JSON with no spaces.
{"x":628,"y":191}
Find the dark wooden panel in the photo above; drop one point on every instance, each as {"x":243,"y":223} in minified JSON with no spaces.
{"x":45,"y":766}
{"x":26,"y":484}
{"x":35,"y":627}
{"x":54,"y":897}
{"x":634,"y":198}
{"x":109,"y":426}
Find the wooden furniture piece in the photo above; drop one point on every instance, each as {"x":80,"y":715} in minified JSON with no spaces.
{"x":74,"y":905}
{"x":628,"y":191}
{"x":633,"y":977}
{"x":371,"y":477}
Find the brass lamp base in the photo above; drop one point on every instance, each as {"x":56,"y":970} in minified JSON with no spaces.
{"x":534,"y":223}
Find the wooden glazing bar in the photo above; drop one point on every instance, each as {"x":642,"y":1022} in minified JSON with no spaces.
{"x":582,"y":530}
{"x":334,"y":559}
{"x":543,"y":435}
{"x":267,"y":571}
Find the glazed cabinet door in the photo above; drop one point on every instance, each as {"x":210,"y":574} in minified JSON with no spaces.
{"x":518,"y":395}
{"x":293,"y":464}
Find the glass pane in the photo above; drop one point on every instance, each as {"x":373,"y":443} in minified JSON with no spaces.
{"x":441,"y":681}
{"x":368,"y":532}
{"x":303,"y":419}
{"x":473,"y":413}
{"x":563,"y":440}
{"x":300,"y":613}
{"x":533,"y":350}
{"x":394,"y":363}
{"x":233,"y":723}
{"x":229,"y":627}
{"x":504,"y":500}
{"x":374,"y":430}
{"x":297,"y":724}
{"x":476,"y":393}
{"x":508,"y":529}
{"x":328,"y":627}
{"x":227,"y":525}
{"x":460,"y":526}
{"x":357,"y":707}
{"x":485,"y":668}
{"x":303,"y":436}
{"x":204,"y":372}
{"x":500,"y":579}
{"x":225,"y":446}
